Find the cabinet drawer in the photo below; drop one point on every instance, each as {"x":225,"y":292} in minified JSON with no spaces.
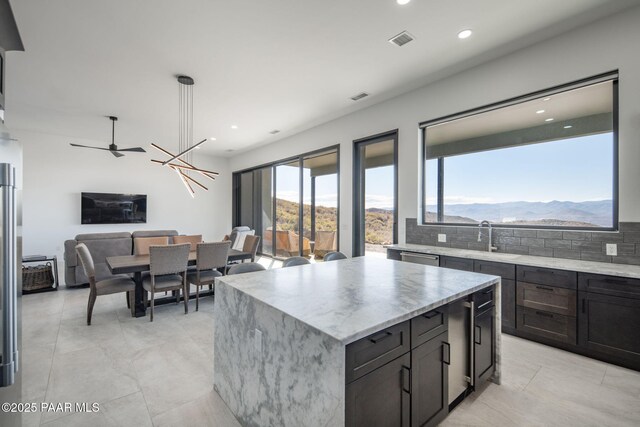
{"x":429,"y":325}
{"x":483,"y":299}
{"x":547,"y":298}
{"x":506,"y":271}
{"x":548,"y":325}
{"x":369,"y":353}
{"x":609,"y":285}
{"x":547,"y":276}
{"x":456,"y":263}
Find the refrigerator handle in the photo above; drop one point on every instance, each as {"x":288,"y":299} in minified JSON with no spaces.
{"x":8,"y":262}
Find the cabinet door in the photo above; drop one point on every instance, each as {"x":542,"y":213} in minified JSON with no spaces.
{"x":430,"y":382}
{"x":456,"y":263}
{"x":610,"y":325}
{"x":382,"y":397}
{"x":508,"y":305}
{"x":483,"y":356}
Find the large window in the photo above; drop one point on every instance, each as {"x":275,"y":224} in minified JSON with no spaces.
{"x":292,"y":204}
{"x":545,"y":160}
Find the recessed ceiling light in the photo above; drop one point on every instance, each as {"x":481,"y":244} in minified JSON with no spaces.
{"x":234,"y":126}
{"x":464,"y":34}
{"x":568,"y":127}
{"x":273,"y":132}
{"x":550,"y":119}
{"x":402,"y":2}
{"x":230,"y":150}
{"x":539,"y":111}
{"x":547,"y":98}
{"x":212,"y":138}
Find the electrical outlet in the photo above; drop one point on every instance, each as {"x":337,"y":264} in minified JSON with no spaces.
{"x":257,"y":341}
{"x":612,"y":249}
{"x":442,"y":238}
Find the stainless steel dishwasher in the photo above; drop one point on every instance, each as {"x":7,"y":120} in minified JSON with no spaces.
{"x":424,"y":259}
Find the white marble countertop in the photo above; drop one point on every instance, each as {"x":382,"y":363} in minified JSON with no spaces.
{"x":621,"y":270}
{"x":352,"y":298}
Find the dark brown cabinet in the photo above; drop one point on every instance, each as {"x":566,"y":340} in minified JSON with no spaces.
{"x":610,"y":318}
{"x":430,"y":381}
{"x":546,"y":304}
{"x":508,"y":274}
{"x":454,"y":263}
{"x":381,"y":398}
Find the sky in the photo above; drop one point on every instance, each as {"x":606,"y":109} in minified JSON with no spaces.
{"x":576,"y":169}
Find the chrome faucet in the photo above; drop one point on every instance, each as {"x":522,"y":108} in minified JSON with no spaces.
{"x":490,"y":246}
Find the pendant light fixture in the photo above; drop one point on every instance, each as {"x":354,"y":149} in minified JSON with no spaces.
{"x":181,"y":163}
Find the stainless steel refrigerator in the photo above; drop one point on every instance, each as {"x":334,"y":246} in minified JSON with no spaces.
{"x":10,"y":277}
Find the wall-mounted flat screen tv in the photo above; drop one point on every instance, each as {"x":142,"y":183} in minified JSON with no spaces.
{"x":107,"y":208}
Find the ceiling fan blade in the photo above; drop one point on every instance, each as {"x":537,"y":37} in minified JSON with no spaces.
{"x":136,"y":149}
{"x":115,"y":153}
{"x":87,"y":146}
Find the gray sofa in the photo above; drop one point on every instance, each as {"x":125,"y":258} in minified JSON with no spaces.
{"x":101,"y":246}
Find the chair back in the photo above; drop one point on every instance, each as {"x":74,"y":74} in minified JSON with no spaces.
{"x":295,"y":260}
{"x":212,"y":255}
{"x":87,"y":261}
{"x":193,"y":240}
{"x":169,"y":259}
{"x":247,"y":267}
{"x":334,"y":256}
{"x":141,"y":244}
{"x":251,"y":245}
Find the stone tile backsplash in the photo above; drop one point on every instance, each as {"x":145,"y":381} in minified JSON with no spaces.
{"x":584,"y":245}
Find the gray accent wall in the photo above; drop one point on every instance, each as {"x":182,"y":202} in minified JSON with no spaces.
{"x":583,"y":245}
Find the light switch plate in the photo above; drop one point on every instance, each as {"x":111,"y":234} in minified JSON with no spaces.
{"x":442,"y":238}
{"x":612,"y":249}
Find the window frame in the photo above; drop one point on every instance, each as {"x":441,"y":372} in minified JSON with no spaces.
{"x":236,"y":189}
{"x":612,"y":76}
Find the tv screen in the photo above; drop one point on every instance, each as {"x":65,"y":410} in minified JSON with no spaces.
{"x":107,"y":208}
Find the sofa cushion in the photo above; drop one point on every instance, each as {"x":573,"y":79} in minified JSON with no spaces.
{"x":155,"y":233}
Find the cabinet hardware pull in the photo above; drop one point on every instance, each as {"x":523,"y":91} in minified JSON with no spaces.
{"x":488,"y":291}
{"x":545,"y":288}
{"x":380,"y":337}
{"x":448,"y":353}
{"x":431,"y":314}
{"x":544,"y":314}
{"x":406,"y":379}
{"x":477,"y":335}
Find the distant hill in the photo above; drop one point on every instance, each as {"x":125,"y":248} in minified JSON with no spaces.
{"x":379,"y":222}
{"x":586,"y":214}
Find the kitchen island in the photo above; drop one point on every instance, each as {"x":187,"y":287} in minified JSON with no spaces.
{"x":309,"y":345}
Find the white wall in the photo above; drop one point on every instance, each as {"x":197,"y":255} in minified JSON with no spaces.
{"x":606,"y":45}
{"x":55,"y":174}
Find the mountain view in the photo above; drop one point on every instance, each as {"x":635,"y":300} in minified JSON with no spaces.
{"x":554,"y":213}
{"x":379,"y":222}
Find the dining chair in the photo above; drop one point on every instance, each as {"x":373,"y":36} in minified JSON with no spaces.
{"x":141,"y":244}
{"x":295,"y":260}
{"x":193,"y":240}
{"x":209,"y":257}
{"x":334,"y":256}
{"x":248,"y":267}
{"x":120,"y":283}
{"x":251,"y":245}
{"x":168,"y":272}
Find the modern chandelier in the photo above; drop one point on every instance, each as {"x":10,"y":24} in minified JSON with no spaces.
{"x":181,"y":163}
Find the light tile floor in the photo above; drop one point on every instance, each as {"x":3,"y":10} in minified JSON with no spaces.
{"x":161,"y":373}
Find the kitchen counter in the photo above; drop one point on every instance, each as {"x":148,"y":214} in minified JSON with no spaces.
{"x":280,"y":335}
{"x":610,"y":269}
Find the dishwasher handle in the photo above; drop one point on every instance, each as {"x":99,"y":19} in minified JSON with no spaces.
{"x":418,"y":258}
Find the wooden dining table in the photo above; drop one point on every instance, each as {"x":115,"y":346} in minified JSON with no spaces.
{"x":138,"y":264}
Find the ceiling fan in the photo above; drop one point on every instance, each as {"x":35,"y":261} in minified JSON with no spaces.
{"x":113,"y":148}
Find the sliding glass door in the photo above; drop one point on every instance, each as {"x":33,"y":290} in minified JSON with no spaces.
{"x":375,"y":194}
{"x":292,"y":204}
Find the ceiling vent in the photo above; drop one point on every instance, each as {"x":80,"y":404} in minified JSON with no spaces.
{"x":273,"y":132}
{"x":401,"y":39}
{"x":359,"y":96}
